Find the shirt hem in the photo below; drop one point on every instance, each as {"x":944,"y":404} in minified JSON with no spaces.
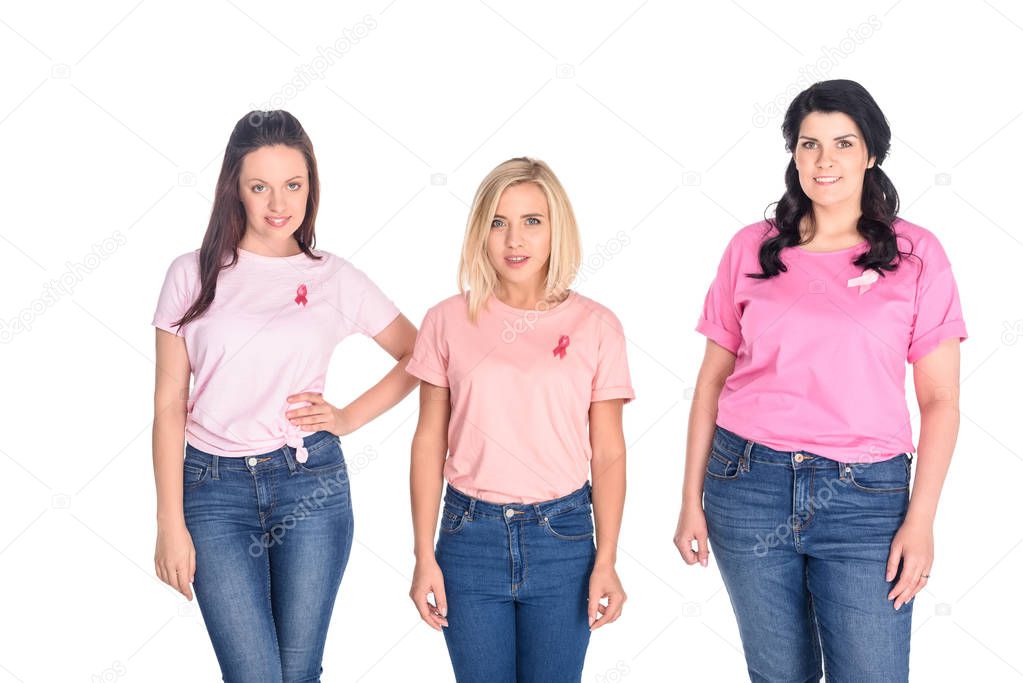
{"x":930,"y":341}
{"x":425,"y":374}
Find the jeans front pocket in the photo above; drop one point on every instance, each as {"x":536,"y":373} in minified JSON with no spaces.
{"x":452,"y":519}
{"x":572,"y":525}
{"x":195,"y":472}
{"x":722,"y":465}
{"x":886,"y":476}
{"x":325,"y":457}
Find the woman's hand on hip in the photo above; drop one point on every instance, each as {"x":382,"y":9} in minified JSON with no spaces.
{"x":318,"y":416}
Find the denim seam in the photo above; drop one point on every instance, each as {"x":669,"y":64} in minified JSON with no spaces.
{"x":721,"y":447}
{"x":511,"y":560}
{"x":868,"y":489}
{"x":321,"y":443}
{"x":546,"y":523}
{"x":269,"y":600}
{"x":818,"y":651}
{"x":813,"y":472}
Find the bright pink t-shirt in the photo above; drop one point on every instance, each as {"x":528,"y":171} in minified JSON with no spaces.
{"x":521,"y":383}
{"x":820,"y":350}
{"x":269,"y":333}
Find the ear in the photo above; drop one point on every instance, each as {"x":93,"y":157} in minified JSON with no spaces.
{"x":871,"y":161}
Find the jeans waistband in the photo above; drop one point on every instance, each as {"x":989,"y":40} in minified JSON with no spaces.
{"x":746,"y":449}
{"x":519,"y":511}
{"x":285,"y":455}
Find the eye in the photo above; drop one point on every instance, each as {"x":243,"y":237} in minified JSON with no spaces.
{"x":497,"y":223}
{"x":533,"y":220}
{"x":258,"y":187}
{"x":808,"y":144}
{"x":294,"y":186}
{"x":842,"y":144}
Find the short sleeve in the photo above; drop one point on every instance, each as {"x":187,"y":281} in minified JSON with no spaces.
{"x":364,"y":307}
{"x":938,"y":314}
{"x":430,"y":356}
{"x":719,"y":321}
{"x":178,"y":292}
{"x":611,"y":379}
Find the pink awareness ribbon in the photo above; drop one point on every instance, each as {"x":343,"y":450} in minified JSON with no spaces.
{"x":559,"y":350}
{"x":864,"y":281}
{"x":300,"y":299}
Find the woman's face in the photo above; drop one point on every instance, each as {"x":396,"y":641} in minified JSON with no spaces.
{"x":519,"y":243}
{"x":831,"y":157}
{"x":273,"y":186}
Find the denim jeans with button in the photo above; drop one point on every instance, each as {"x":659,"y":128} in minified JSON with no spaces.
{"x":272,"y":537}
{"x":517,"y":583}
{"x":802,"y":544}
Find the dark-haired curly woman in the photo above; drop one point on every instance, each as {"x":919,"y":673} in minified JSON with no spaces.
{"x":800,"y":443}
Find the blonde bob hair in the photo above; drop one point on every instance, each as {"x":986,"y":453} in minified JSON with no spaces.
{"x":476,"y":276}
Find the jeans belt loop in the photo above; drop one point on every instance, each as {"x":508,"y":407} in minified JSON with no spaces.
{"x":216,"y":466}
{"x":289,"y":457}
{"x":744,"y":462}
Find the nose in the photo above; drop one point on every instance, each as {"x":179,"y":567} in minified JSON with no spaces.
{"x":513,"y":236}
{"x":275,"y":202}
{"x":824,"y":159}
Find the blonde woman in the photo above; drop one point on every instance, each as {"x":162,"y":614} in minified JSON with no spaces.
{"x":523,"y":382}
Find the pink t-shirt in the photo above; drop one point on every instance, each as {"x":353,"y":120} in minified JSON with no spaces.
{"x":521,"y":384}
{"x":820,"y":350}
{"x":268,"y":334}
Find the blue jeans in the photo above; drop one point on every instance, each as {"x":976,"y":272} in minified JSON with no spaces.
{"x":272,"y":537}
{"x":517,"y":583}
{"x":802,"y":544}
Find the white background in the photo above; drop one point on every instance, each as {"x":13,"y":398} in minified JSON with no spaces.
{"x":113,"y":119}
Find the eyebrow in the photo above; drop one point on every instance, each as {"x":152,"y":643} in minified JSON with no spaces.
{"x":287,"y":181}
{"x":525,"y":215}
{"x":840,"y":137}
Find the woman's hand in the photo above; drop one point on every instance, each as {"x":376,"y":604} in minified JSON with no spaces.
{"x":175,"y":557}
{"x":914,"y":546}
{"x":604,"y":583}
{"x":318,"y":416}
{"x":692,"y":526}
{"x":427,"y":579}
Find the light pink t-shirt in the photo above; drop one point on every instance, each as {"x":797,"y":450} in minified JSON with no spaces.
{"x":820,"y":351}
{"x":521,"y":384}
{"x":268,"y":334}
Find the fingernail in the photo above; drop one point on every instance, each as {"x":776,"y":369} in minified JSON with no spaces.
{"x":703,"y":562}
{"x":444,"y":612}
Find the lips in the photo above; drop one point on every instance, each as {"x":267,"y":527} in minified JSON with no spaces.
{"x":277,"y":221}
{"x":826,"y":179}
{"x":515,"y":261}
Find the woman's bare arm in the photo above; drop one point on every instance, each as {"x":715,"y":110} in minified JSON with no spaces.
{"x":175,"y":555}
{"x":398,"y":339}
{"x":718,"y":364}
{"x":429,"y":449}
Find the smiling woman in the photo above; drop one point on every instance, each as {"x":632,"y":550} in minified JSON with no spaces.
{"x":810,"y":322}
{"x":255,"y":316}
